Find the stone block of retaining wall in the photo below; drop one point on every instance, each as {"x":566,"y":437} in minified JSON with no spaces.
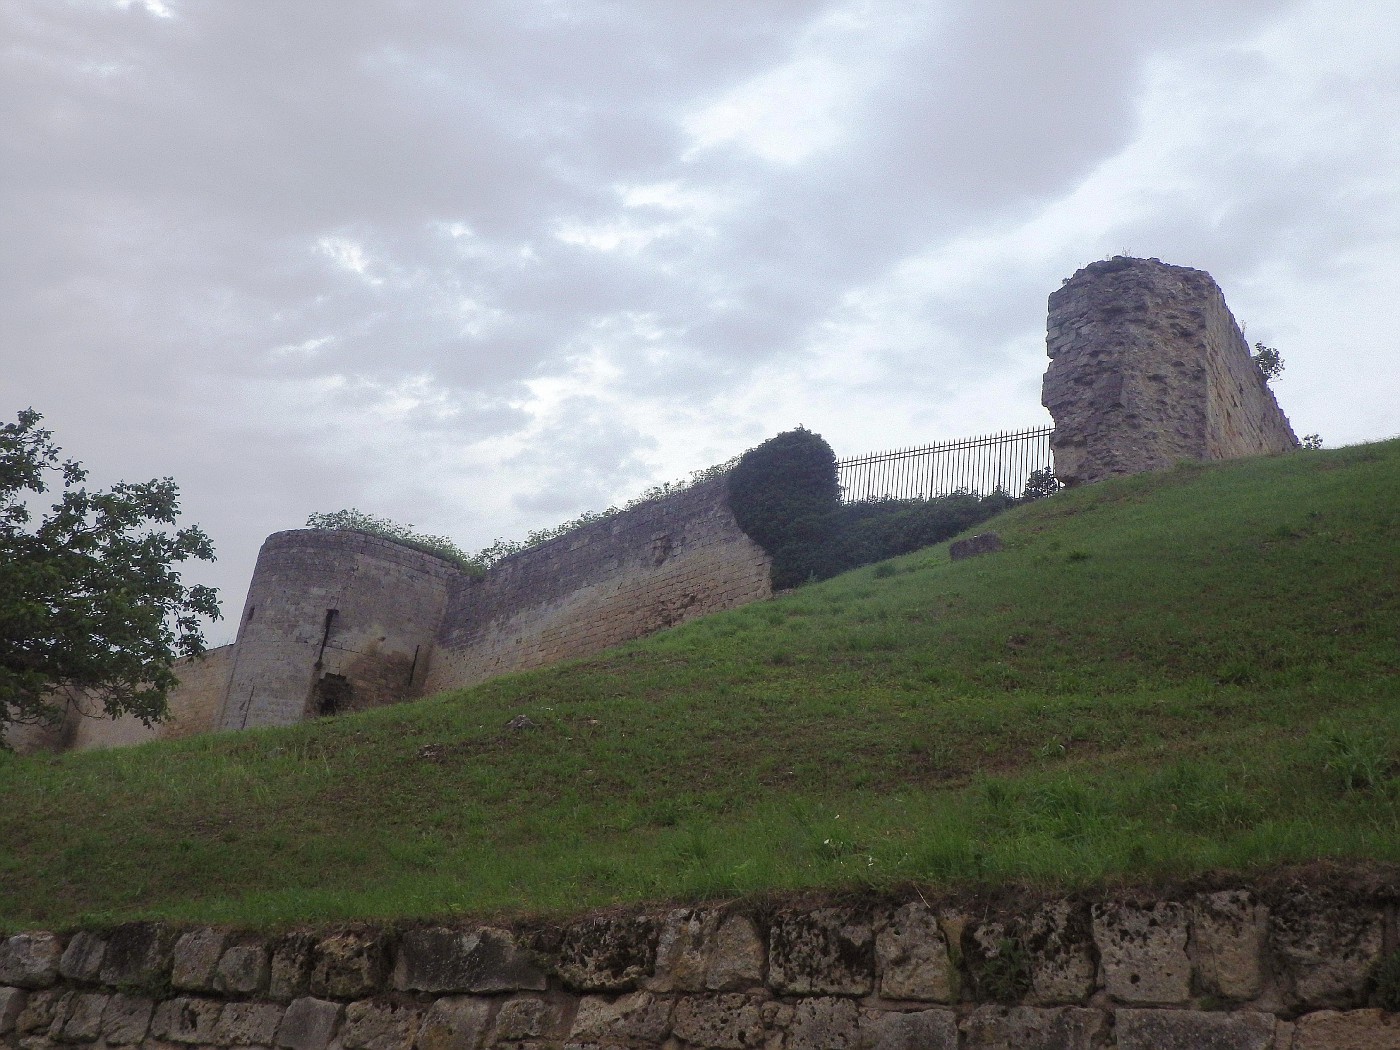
{"x":38,"y":1012}
{"x":822,"y":1023}
{"x":248,"y":1024}
{"x":139,"y":955}
{"x":486,"y":960}
{"x":1325,"y":948}
{"x":82,"y":958}
{"x":829,"y":951}
{"x":1142,"y":952}
{"x":349,"y":965}
{"x":243,"y":969}
{"x":289,"y":975}
{"x":911,"y":957}
{"x":186,"y":1020}
{"x":1227,"y":944}
{"x":526,"y":1018}
{"x":917,"y":1030}
{"x":378,"y":1025}
{"x":1193,"y":1030}
{"x":454,"y":1023}
{"x":706,"y":950}
{"x":637,"y":1017}
{"x":11,"y":1006}
{"x":30,"y":960}
{"x":1060,"y":950}
{"x":719,"y":1022}
{"x":1031,"y":1028}
{"x":308,"y":1024}
{"x":1349,"y":1030}
{"x":608,"y":953}
{"x":195,"y":958}
{"x":127,"y":1019}
{"x":79,"y":1017}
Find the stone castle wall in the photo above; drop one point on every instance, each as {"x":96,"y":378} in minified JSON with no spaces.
{"x":1148,"y":368}
{"x":610,"y":581}
{"x":1234,"y":967}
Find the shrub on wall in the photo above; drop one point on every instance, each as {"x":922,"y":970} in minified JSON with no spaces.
{"x":785,"y":496}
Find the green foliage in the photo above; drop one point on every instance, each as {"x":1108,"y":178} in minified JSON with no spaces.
{"x":785,"y":495}
{"x":1268,"y":361}
{"x":92,"y":609}
{"x":1041,"y":483}
{"x":1357,"y":761}
{"x":359,"y":521}
{"x":1311,"y":442}
{"x":1385,"y":982}
{"x":874,"y":530}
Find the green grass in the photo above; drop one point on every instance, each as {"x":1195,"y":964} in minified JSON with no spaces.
{"x":1160,"y":676}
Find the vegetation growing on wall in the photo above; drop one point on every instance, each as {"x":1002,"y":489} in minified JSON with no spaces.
{"x":359,"y":521}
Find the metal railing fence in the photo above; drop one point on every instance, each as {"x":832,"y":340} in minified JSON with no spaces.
{"x":980,"y":464}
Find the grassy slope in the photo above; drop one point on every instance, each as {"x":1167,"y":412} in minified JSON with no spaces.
{"x":1162,"y":675}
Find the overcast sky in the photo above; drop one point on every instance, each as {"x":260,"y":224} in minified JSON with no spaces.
{"x":483,"y":266}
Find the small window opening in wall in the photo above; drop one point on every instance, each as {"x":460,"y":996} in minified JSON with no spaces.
{"x":333,"y":694}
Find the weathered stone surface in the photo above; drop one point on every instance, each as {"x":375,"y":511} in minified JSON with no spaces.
{"x":248,"y":1024}
{"x":290,"y":973}
{"x":1193,"y":1030}
{"x":735,"y":957}
{"x":79,"y":1019}
{"x":1142,"y":952}
{"x":719,"y":1022}
{"x":243,"y":970}
{"x":1060,"y":955}
{"x":607,"y":953}
{"x":996,"y":961}
{"x":30,"y":960}
{"x":186,"y":1020}
{"x":308,"y":1024}
{"x":1227,"y":944}
{"x":349,"y":965}
{"x":1325,"y":948}
{"x":38,"y":1012}
{"x":195,"y":957}
{"x":982,"y":543}
{"x":829,"y":951}
{"x":485,"y":960}
{"x":127,"y":1019}
{"x":379,"y":1026}
{"x":681,"y":950}
{"x":911,"y":957}
{"x":526,"y":1018}
{"x":919,"y":1030}
{"x":1148,"y":368}
{"x":138,"y":955}
{"x":11,"y":1006}
{"x":455,"y":1023}
{"x":1347,"y":1030}
{"x":1031,"y":1028}
{"x":823,"y":1023}
{"x":82,"y":958}
{"x":639,"y":1016}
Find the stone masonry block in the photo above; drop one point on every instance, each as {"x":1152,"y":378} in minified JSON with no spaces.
{"x":485,"y":960}
{"x":195,"y":957}
{"x":735,"y":956}
{"x":1142,"y":952}
{"x":1325,"y":948}
{"x":379,"y":1026}
{"x":82,"y":959}
{"x":186,"y":1020}
{"x":308,"y":1024}
{"x":127,"y":1019}
{"x":139,"y":955}
{"x":1347,"y":1030}
{"x":637,"y":1017}
{"x":80,"y":1020}
{"x":1227,"y":944}
{"x":1031,"y":1028}
{"x":918,"y":1030}
{"x":608,"y":953}
{"x":11,"y":1006}
{"x":30,"y":960}
{"x":290,"y":972}
{"x":1194,"y":1030}
{"x":829,"y":951}
{"x":527,"y":1018}
{"x":911,"y":957}
{"x":248,"y":1024}
{"x":455,"y":1023}
{"x":719,"y":1022}
{"x":823,"y":1023}
{"x":243,"y":970}
{"x":349,"y":965}
{"x":38,"y":1011}
{"x":1060,"y":949}
{"x":680,"y":950}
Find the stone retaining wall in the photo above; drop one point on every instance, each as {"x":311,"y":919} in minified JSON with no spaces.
{"x":1230,"y":969}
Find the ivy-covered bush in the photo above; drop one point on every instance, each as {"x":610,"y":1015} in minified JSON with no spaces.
{"x":785,"y":496}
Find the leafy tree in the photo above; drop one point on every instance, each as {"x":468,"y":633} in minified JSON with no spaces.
{"x":1268,"y":361}
{"x":1312,"y":441}
{"x":92,"y":609}
{"x":1041,"y":483}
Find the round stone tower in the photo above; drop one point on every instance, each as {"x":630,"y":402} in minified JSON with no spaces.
{"x":335,"y":621}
